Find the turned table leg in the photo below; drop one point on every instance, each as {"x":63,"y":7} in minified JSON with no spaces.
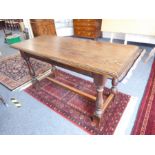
{"x":100,"y":83}
{"x":114,"y":86}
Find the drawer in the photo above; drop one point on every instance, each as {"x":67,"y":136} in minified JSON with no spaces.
{"x":87,"y":34}
{"x":87,"y":20}
{"x":42,"y":21}
{"x":86,"y":23}
{"x":85,"y":28}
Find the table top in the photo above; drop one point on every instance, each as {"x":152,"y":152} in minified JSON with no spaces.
{"x":93,"y":56}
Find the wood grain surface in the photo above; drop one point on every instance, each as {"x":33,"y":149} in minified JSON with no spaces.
{"x":94,"y":56}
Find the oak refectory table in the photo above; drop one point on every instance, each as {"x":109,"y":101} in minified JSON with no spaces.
{"x":97,"y":59}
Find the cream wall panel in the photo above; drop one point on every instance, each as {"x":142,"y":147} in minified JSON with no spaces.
{"x":144,"y":27}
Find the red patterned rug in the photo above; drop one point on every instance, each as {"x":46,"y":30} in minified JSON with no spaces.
{"x":76,"y":108}
{"x":14,"y":71}
{"x":145,"y":122}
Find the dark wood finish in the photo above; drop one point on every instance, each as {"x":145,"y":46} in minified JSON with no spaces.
{"x":31,"y":70}
{"x":87,"y":28}
{"x":27,"y":59}
{"x":43,"y":27}
{"x":100,"y":60}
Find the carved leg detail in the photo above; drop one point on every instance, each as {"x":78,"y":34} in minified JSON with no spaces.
{"x":99,"y":82}
{"x":114,"y":86}
{"x":31,"y":69}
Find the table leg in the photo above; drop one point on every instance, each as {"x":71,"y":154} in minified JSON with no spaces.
{"x":31,"y":69}
{"x":99,"y":81}
{"x":27,"y":59}
{"x":114,"y":86}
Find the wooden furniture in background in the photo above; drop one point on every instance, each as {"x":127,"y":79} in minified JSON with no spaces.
{"x":99,"y":60}
{"x":87,"y":28}
{"x":2,"y":24}
{"x":43,"y":27}
{"x":12,"y":24}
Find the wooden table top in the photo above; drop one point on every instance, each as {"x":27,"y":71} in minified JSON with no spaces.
{"x":93,"y":56}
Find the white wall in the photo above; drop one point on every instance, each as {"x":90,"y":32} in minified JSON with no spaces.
{"x":64,"y":27}
{"x":28,"y":26}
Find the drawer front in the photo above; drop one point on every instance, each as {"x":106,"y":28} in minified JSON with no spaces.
{"x":87,"y":34}
{"x":85,"y":28}
{"x":42,"y":21}
{"x":87,"y":20}
{"x":80,"y":22}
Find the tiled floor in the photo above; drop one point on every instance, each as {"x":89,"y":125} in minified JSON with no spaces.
{"x":35,"y":118}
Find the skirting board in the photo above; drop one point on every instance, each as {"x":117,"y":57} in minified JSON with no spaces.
{"x":130,"y":37}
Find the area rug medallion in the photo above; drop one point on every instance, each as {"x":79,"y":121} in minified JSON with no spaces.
{"x":145,"y":122}
{"x":14,"y":71}
{"x":76,"y":108}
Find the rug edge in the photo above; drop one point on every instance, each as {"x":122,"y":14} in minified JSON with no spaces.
{"x":137,"y":121}
{"x":124,"y":121}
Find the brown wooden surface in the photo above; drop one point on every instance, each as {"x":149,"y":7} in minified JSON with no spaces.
{"x":100,"y":59}
{"x":72,"y":89}
{"x":87,"y":28}
{"x":96,"y":57}
{"x":43,"y":27}
{"x":107,"y":101}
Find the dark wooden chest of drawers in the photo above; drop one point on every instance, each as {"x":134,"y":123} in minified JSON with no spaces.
{"x":43,"y":27}
{"x":87,"y":28}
